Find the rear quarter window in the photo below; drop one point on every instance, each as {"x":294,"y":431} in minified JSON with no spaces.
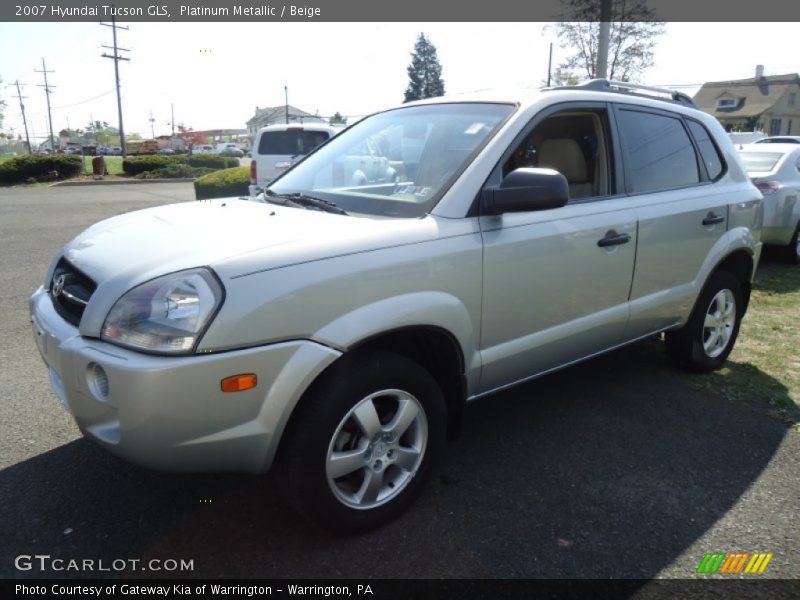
{"x":708,"y":150}
{"x":659,"y":153}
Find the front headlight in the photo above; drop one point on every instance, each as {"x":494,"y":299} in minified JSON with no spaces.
{"x":167,"y":314}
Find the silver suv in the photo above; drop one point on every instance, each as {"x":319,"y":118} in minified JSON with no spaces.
{"x":335,"y":329}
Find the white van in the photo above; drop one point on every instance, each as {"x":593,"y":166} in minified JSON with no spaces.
{"x":278,"y":147}
{"x":745,"y":137}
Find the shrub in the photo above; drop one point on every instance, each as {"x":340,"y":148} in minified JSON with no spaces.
{"x":174,"y":171}
{"x":220,"y":184}
{"x":140,"y":164}
{"x":40,"y":167}
{"x":212,"y":161}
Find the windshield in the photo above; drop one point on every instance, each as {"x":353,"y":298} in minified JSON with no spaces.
{"x":397,"y":163}
{"x":760,"y":162}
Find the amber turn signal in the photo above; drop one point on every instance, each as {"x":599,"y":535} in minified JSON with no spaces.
{"x":239,"y":383}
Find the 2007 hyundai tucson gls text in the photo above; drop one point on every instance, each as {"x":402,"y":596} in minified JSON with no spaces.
{"x":335,"y":329}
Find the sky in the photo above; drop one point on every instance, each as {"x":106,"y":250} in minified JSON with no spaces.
{"x":215,"y":74}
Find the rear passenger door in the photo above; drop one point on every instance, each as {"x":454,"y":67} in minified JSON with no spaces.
{"x":670,"y":164}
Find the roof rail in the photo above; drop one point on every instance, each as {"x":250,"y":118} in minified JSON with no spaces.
{"x":625,"y":87}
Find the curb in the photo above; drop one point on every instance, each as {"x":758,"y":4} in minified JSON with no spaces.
{"x":121,"y":182}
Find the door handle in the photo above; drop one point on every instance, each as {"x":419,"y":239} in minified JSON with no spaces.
{"x":713,"y":219}
{"x":614,"y":239}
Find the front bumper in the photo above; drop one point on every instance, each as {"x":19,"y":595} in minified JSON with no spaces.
{"x":169,"y":413}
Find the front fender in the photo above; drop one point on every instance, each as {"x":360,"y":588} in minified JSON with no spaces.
{"x":426,"y":309}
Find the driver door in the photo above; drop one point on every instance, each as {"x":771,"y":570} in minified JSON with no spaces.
{"x":554,"y":289}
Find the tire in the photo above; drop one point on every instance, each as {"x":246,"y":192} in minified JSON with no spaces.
{"x":346,"y":463}
{"x":792,"y":251}
{"x":705,"y":342}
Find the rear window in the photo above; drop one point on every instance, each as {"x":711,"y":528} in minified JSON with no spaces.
{"x":760,"y":162}
{"x":291,"y":142}
{"x":777,"y":140}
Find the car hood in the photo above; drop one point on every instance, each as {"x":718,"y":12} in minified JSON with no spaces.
{"x":232,"y":236}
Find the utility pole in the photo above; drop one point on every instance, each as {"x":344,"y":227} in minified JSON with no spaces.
{"x":602,"y":46}
{"x":24,"y":120}
{"x":550,"y":64}
{"x":172,"y":110}
{"x":116,"y":57}
{"x":47,"y":93}
{"x":152,"y":120}
{"x":286,"y":98}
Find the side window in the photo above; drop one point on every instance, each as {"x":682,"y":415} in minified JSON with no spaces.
{"x":659,"y":152}
{"x":574,"y":143}
{"x":708,"y":150}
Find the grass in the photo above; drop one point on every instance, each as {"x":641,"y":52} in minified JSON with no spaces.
{"x":5,"y":158}
{"x":764,"y":367}
{"x":113,"y":164}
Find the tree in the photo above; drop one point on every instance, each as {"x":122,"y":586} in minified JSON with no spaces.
{"x":191,"y":138}
{"x":563,"y":77}
{"x":98,"y":131}
{"x":337,"y":119}
{"x":2,"y":105}
{"x":631,"y":42}
{"x":424,"y":72}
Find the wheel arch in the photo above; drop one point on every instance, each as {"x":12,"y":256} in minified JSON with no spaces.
{"x":435,"y":349}
{"x":438,"y":352}
{"x":741,"y":264}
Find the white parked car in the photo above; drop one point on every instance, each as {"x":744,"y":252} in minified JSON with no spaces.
{"x":780,"y":139}
{"x":278,"y":147}
{"x":203,"y":149}
{"x":746,"y":137}
{"x":775,"y":170}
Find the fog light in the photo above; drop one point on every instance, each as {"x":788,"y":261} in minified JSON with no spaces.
{"x":97,"y":379}
{"x":239,"y":383}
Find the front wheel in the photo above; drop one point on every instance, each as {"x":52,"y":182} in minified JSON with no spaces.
{"x":363,"y":442}
{"x":705,"y":342}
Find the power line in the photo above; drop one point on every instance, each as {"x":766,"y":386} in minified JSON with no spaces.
{"x":116,"y":58}
{"x":47,"y":93}
{"x":106,"y":93}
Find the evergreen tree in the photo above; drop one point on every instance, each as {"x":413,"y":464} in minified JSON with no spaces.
{"x":424,"y":72}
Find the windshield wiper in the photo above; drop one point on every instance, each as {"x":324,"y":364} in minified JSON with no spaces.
{"x":303,"y":200}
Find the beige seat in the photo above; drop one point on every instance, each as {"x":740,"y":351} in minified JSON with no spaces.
{"x":565,"y":156}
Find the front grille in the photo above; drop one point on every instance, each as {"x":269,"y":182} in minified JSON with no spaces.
{"x":70,"y":291}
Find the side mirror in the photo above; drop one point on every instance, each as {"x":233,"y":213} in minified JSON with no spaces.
{"x":527,"y":189}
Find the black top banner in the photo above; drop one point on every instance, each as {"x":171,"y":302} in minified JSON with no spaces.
{"x":386,"y":10}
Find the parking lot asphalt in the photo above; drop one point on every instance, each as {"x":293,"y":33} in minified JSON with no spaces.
{"x":612,"y":468}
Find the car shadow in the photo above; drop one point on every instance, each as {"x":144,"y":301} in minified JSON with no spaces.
{"x":609,"y":469}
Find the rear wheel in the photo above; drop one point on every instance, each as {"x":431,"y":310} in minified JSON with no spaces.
{"x":363,"y":442}
{"x":705,"y":342}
